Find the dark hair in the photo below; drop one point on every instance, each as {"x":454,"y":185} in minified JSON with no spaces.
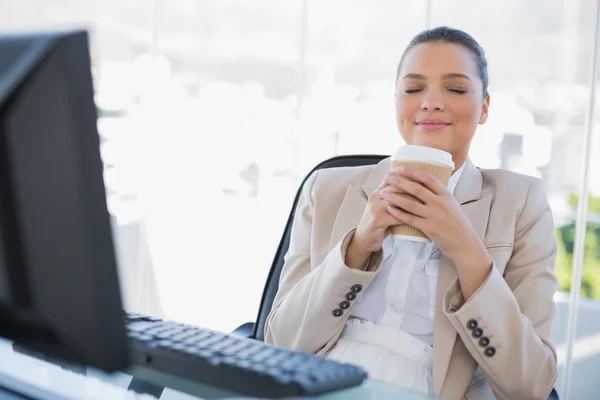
{"x":456,"y":36}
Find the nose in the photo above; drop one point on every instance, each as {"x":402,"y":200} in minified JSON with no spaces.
{"x":432,"y":102}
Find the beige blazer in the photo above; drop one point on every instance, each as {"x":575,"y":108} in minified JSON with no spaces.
{"x":514,"y":306}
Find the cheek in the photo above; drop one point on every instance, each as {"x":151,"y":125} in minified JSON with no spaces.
{"x":469,"y":111}
{"x":404,"y":118}
{"x":404,"y":111}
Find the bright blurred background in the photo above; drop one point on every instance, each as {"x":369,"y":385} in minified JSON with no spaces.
{"x":212,"y":112}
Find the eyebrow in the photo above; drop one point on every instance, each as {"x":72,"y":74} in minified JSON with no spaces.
{"x":445,"y":76}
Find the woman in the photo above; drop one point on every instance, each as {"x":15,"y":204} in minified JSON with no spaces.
{"x":469,"y":314}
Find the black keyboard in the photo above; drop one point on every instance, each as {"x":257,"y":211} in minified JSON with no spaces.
{"x":235,"y":363}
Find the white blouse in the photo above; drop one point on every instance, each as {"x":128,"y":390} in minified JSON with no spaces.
{"x":402,"y":294}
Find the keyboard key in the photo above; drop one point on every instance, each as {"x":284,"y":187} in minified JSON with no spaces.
{"x":263,"y":355}
{"x":183,"y":335}
{"x":144,"y":338}
{"x":198,"y":337}
{"x":190,"y":349}
{"x":140,"y":326}
{"x":164,"y":343}
{"x":235,"y":348}
{"x":167,"y":334}
{"x":178,"y":346}
{"x":276,"y":358}
{"x":209,"y":341}
{"x":204,"y":353}
{"x":252,"y":349}
{"x":243,"y":364}
{"x":137,"y":317}
{"x":155,"y":330}
{"x":214,"y":360}
{"x":229,"y":361}
{"x":224,"y":344}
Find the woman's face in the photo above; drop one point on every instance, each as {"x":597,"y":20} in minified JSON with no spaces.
{"x":439,"y":98}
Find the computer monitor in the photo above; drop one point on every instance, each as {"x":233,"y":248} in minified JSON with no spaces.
{"x":59,"y":290}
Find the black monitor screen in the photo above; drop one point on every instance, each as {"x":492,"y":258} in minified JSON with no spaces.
{"x":59,"y":291}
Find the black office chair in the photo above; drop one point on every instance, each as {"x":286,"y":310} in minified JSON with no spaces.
{"x":255,"y":330}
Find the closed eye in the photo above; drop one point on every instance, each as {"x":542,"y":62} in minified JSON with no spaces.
{"x":459,"y":91}
{"x":409,"y":91}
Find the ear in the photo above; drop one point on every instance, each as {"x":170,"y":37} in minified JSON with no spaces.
{"x":484,"y":110}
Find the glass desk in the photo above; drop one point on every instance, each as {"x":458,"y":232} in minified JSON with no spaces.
{"x":35,"y":378}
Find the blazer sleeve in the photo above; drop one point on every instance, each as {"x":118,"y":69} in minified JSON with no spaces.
{"x":313,"y":303}
{"x":515,"y":312}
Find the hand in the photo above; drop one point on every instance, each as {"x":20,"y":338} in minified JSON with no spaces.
{"x":374,"y":226}
{"x":418,"y":199}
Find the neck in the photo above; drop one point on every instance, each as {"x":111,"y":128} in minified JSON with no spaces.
{"x":460,"y":157}
{"x":459,"y":161}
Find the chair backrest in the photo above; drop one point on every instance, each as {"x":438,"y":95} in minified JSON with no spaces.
{"x":272,"y":284}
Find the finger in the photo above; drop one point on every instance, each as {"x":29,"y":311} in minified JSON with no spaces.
{"x":395,"y":190}
{"x":381,"y":213}
{"x":383,"y":187}
{"x":406,"y":218}
{"x":425,"y":179}
{"x":411,"y":187}
{"x":406,"y":203}
{"x":384,"y":182}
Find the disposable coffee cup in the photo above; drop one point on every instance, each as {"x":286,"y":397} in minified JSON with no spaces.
{"x":436,"y":162}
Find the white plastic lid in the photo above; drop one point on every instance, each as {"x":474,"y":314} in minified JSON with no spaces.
{"x":411,"y":152}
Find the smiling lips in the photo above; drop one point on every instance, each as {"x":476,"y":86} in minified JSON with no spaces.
{"x":432,"y":124}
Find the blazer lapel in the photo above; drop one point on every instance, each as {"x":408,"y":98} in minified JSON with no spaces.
{"x":355,"y":201}
{"x":468,"y":192}
{"x":374,"y":180}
